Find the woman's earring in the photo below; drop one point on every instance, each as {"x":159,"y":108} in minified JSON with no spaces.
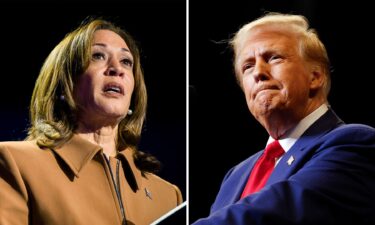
{"x":62,"y":97}
{"x":130,"y":112}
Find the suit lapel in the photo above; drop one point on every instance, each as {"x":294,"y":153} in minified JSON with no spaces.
{"x":235,"y":180}
{"x":303,"y":148}
{"x":243,"y":176}
{"x":234,"y":183}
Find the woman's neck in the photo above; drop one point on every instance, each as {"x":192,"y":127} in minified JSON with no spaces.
{"x":103,"y":136}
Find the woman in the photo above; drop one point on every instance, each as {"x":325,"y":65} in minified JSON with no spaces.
{"x":80,"y":163}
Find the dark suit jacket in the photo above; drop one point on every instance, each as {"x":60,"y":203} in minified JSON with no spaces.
{"x":330,"y":179}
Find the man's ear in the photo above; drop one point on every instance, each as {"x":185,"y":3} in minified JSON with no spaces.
{"x":317,"y":78}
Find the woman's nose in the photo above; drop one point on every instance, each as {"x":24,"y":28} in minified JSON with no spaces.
{"x":114,"y":69}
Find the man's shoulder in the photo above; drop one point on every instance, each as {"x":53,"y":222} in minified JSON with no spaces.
{"x":351,"y":132}
{"x":355,"y":127}
{"x":346,"y":137}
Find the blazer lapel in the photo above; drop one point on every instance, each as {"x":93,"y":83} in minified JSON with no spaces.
{"x":132,"y":173}
{"x":303,"y":148}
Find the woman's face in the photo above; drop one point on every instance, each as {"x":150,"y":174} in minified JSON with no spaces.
{"x":103,"y":92}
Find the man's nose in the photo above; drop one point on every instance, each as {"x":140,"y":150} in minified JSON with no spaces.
{"x":261,"y":71}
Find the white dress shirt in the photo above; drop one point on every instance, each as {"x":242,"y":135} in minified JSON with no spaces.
{"x":288,"y":140}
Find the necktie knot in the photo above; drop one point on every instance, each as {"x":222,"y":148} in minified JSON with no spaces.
{"x":274,"y":150}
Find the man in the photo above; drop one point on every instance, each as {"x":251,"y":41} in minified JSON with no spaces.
{"x":322,"y":171}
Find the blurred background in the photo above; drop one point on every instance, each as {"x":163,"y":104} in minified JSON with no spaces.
{"x":29,"y":31}
{"x":222,"y":132}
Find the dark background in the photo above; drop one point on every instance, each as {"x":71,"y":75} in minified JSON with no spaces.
{"x":222,"y":133}
{"x":30,"y":30}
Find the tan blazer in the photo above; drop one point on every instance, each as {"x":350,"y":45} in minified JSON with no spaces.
{"x":74,"y":185}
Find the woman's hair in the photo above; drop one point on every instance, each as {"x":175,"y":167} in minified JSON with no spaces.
{"x":311,"y":48}
{"x":53,"y":111}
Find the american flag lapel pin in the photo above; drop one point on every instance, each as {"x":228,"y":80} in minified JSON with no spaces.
{"x":290,"y":160}
{"x":148,"y":193}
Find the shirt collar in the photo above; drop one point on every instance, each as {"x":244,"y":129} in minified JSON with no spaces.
{"x":291,"y":136}
{"x":77,"y":152}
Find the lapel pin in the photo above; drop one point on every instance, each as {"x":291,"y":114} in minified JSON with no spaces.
{"x":148,"y":194}
{"x":290,"y":160}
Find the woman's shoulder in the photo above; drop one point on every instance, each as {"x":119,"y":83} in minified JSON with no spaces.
{"x":148,"y":180}
{"x":153,"y":178}
{"x":148,"y":177}
{"x":163,"y":186}
{"x":17,"y":149}
{"x":18,"y":145}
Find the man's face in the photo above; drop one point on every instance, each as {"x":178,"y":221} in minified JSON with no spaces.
{"x":273,"y":74}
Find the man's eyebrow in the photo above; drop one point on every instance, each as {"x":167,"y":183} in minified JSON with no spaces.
{"x":104,"y":45}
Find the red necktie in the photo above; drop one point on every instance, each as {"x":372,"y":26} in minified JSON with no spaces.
{"x":263,"y":168}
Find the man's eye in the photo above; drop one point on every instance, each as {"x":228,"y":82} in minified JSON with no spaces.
{"x":247,"y":66}
{"x":274,"y":57}
{"x":98,"y":56}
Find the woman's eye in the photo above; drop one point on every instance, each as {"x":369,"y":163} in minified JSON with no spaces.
{"x":98,"y":56}
{"x":127,"y":62}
